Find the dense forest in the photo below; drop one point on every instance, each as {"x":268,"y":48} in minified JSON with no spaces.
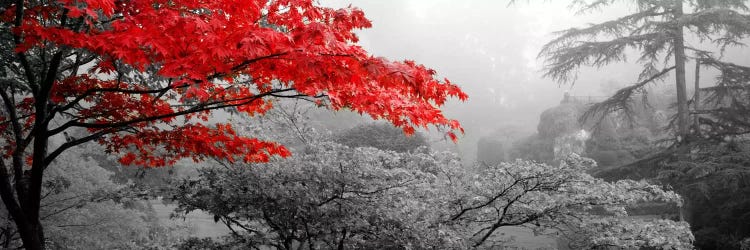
{"x":271,"y":124}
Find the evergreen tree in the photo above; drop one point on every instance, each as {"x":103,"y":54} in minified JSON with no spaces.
{"x":668,"y":34}
{"x":657,"y":29}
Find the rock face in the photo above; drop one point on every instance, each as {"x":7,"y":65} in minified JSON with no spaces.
{"x":558,"y":135}
{"x":560,"y":120}
{"x":571,"y":143}
{"x":611,"y":141}
{"x":560,"y":125}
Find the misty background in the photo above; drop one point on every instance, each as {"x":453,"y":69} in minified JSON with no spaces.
{"x":490,"y":48}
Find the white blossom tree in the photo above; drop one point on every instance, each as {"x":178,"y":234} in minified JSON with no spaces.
{"x":333,"y":196}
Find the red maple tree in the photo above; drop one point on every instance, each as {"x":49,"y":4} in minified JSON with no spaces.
{"x":140,"y":75}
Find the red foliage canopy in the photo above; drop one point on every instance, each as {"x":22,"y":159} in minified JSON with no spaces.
{"x":129,"y":68}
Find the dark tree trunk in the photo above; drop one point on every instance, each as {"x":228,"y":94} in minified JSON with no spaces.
{"x":683,"y":127}
{"x":30,"y":231}
{"x":32,"y":235}
{"x":343,"y":239}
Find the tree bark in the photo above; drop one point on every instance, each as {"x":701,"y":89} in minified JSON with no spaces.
{"x":697,"y":96}
{"x":683,"y":127}
{"x":342,"y":240}
{"x":32,"y":235}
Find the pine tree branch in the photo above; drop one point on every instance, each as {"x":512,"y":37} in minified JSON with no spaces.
{"x":621,"y":99}
{"x":562,"y":63}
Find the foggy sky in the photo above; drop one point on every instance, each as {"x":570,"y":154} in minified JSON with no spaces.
{"x":489,"y":48}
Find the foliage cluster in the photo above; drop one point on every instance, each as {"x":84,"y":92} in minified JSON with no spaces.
{"x":334,"y":196}
{"x":382,"y":136}
{"x":82,"y":206}
{"x":715,"y":186}
{"x":667,"y":35}
{"x":614,"y":140}
{"x":142,"y":78}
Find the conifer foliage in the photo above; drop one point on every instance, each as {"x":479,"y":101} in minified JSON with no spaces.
{"x":668,"y":35}
{"x":661,"y":32}
{"x":140,"y":75}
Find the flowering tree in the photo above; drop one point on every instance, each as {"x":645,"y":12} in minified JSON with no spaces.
{"x":333,"y":196}
{"x":137,"y":75}
{"x":328,"y":197}
{"x":563,"y":201}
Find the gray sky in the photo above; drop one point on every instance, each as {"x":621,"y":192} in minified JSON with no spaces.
{"x":489,"y":49}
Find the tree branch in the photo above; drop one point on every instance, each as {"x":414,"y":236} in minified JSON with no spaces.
{"x":493,"y":199}
{"x":20,"y":146}
{"x":51,"y":156}
{"x":198,"y":108}
{"x":17,"y":39}
{"x":620,"y":99}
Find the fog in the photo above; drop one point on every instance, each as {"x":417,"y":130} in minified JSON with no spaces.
{"x":240,"y":125}
{"x":490,"y":49}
